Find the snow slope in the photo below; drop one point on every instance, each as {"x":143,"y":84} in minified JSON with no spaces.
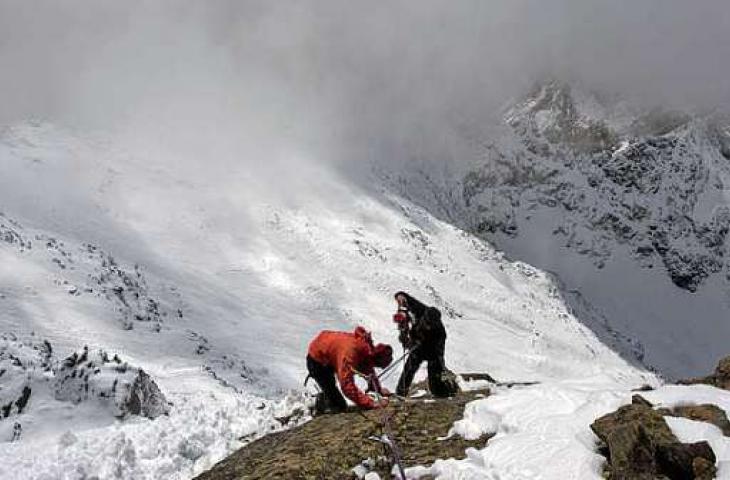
{"x":241,"y":277}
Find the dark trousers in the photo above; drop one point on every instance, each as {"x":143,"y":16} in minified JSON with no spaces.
{"x":330,"y":399}
{"x":437,"y":383}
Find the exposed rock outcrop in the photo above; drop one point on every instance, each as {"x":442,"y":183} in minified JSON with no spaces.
{"x":331,"y":446}
{"x":127,"y":390}
{"x":720,"y":378}
{"x":639,"y":445}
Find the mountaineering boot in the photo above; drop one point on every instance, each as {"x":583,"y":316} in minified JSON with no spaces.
{"x":323,"y":405}
{"x":320,"y":404}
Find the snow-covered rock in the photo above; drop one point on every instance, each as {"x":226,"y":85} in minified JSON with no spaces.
{"x":22,"y":366}
{"x":655,"y":186}
{"x":95,"y":376}
{"x":85,"y":269}
{"x":29,"y":369}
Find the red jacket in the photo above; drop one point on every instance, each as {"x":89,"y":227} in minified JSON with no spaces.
{"x":348,"y":354}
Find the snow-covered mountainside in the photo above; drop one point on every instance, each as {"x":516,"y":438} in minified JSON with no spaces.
{"x":628,"y":208}
{"x":213,"y":283}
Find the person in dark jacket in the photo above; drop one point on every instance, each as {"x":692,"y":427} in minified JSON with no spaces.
{"x":342,"y":355}
{"x":423,"y":333}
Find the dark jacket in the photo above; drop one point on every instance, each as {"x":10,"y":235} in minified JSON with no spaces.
{"x":424,"y":330}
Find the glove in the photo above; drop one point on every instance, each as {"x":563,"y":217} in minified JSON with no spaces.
{"x":383,"y":403}
{"x":400,"y":318}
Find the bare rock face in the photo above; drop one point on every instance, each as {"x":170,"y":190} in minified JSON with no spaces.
{"x":703,"y":469}
{"x":632,"y":452}
{"x":144,"y":397}
{"x":722,"y":374}
{"x":640,"y":446}
{"x":677,"y":460}
{"x":636,"y":413}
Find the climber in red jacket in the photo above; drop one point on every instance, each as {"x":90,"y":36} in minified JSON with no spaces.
{"x":344,"y":354}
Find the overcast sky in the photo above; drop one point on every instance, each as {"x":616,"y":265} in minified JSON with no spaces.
{"x":333,"y":77}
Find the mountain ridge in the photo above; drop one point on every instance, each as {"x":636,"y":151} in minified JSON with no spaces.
{"x":603,"y":193}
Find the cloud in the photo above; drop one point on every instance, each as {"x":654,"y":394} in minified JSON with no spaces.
{"x":341,"y":81}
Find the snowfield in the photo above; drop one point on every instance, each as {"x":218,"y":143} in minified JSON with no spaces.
{"x":213,"y":283}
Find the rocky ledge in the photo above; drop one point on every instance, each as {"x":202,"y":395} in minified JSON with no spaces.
{"x":340,"y":447}
{"x":639,"y":444}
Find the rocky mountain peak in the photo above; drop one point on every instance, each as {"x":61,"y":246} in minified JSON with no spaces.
{"x":593,"y":187}
{"x":562,"y":116}
{"x":652,"y":181}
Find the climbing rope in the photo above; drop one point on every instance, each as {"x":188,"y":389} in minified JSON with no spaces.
{"x":391,"y":368}
{"x":385,"y":374}
{"x":387,"y":371}
{"x":388,"y":440}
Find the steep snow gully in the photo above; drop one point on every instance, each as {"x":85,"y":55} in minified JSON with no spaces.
{"x":155,"y":321}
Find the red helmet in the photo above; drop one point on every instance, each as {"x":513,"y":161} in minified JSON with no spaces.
{"x":382,"y":355}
